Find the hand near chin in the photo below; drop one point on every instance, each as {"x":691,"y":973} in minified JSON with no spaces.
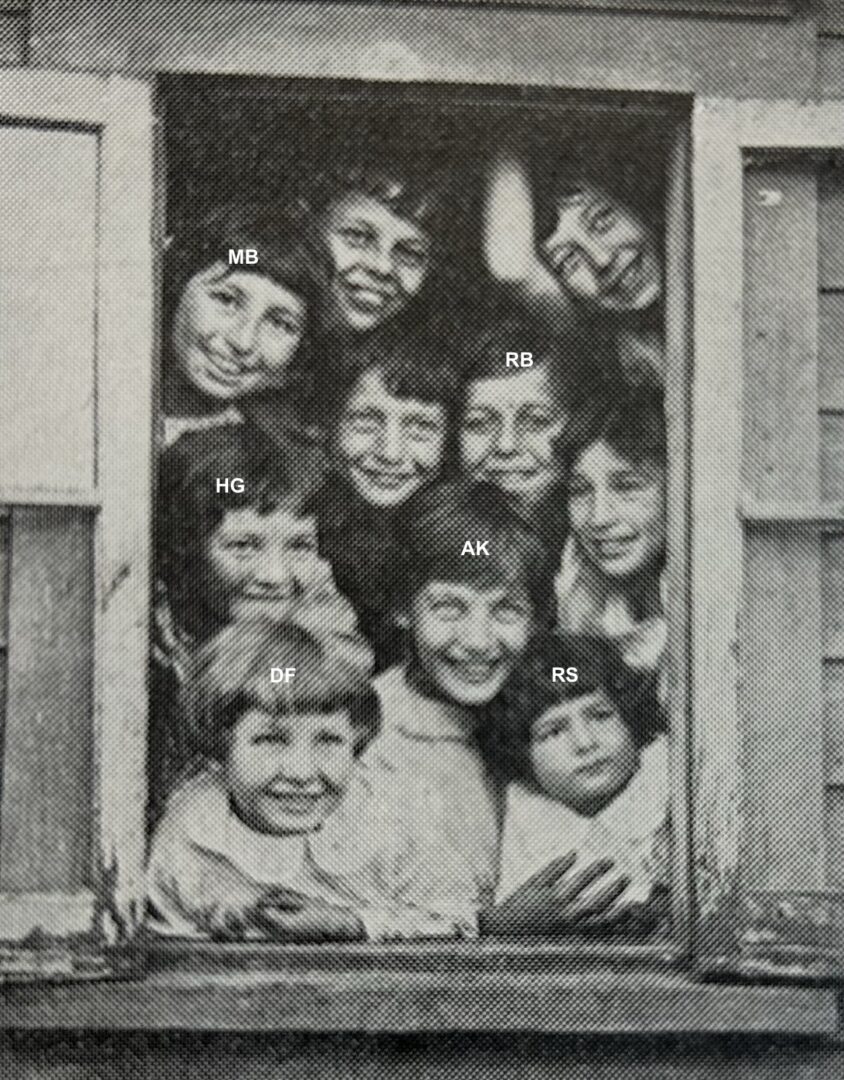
{"x":288,"y":916}
{"x":561,"y":898}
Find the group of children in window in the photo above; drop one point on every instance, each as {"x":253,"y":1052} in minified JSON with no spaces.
{"x":423,"y":773}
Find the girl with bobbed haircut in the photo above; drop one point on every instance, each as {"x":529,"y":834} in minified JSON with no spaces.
{"x":585,"y":761}
{"x":190,"y":509}
{"x":234,"y":332}
{"x":530,"y":691}
{"x":434,"y":527}
{"x":376,"y":235}
{"x":610,"y":583}
{"x":229,"y":675}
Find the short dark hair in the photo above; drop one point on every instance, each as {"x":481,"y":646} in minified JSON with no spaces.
{"x":434,"y":525}
{"x":277,"y":234}
{"x":563,"y":353}
{"x":411,"y":365}
{"x":630,"y":420}
{"x":530,"y":691}
{"x":190,"y":508}
{"x":415,"y":195}
{"x":231,"y":674}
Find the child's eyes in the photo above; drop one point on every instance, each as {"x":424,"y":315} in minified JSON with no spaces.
{"x":279,"y":320}
{"x":225,"y":298}
{"x":538,"y":421}
{"x":550,"y":732}
{"x":303,"y":543}
{"x":355,"y":237}
{"x":510,"y":613}
{"x":412,"y":257}
{"x":274,"y":739}
{"x":602,"y":219}
{"x":629,"y":483}
{"x":478,"y":422}
{"x":447,"y":609}
{"x":363,"y":422}
{"x":242,"y":545}
{"x":331,"y":738}
{"x":421,"y":428}
{"x":570,"y":262}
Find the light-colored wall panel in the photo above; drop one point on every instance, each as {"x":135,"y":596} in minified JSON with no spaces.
{"x":832,"y":455}
{"x":48,"y":216}
{"x":831,"y":352}
{"x":424,"y":42}
{"x":833,"y":693}
{"x":831,"y":229}
{"x":832,"y":587}
{"x":48,"y":771}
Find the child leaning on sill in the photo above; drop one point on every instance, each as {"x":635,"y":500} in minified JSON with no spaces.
{"x":257,"y":842}
{"x":587,"y":798}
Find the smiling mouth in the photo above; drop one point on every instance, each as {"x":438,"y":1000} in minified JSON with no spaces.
{"x":475,"y":673}
{"x":626,"y":275}
{"x":297,"y":805}
{"x":368,"y":299}
{"x":512,"y":476}
{"x":614,"y":549}
{"x":385,"y":480}
{"x":593,"y":768}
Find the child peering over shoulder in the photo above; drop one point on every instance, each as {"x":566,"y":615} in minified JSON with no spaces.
{"x":579,"y":737}
{"x":247,"y":843}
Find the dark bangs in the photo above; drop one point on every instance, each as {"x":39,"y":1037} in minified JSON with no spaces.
{"x":434,"y":526}
{"x":630,"y":420}
{"x":530,"y":691}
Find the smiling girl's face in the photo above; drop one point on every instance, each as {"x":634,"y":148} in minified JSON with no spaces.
{"x":507,"y":433}
{"x":235,"y":333}
{"x":379,"y":261}
{"x":389,"y":446}
{"x":603,"y":253}
{"x":285,"y":774}
{"x":617,"y":510}
{"x":467,"y":639}
{"x":263,"y":564}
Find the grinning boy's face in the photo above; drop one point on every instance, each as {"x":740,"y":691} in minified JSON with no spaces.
{"x":507,"y":433}
{"x":467,"y":639}
{"x":582,"y":753}
{"x":379,"y":261}
{"x":617,"y":511}
{"x":285,"y":774}
{"x":389,"y":446}
{"x":603,"y":253}
{"x":235,"y":333}
{"x":262,"y":564}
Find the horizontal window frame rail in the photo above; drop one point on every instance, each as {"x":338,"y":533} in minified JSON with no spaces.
{"x":584,"y":995}
{"x":732,"y":9}
{"x":823,"y":516}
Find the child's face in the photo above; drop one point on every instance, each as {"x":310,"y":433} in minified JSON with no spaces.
{"x":466,"y":639}
{"x":285,"y":774}
{"x":379,"y":260}
{"x":507,"y":432}
{"x":582,"y":753}
{"x":235,"y":333}
{"x":617,"y":510}
{"x":603,"y":253}
{"x":262,"y":564}
{"x":389,"y":446}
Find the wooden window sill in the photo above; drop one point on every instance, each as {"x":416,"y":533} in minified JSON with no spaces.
{"x":413,"y":988}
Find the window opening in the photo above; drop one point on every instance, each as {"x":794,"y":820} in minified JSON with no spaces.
{"x":410,"y":614}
